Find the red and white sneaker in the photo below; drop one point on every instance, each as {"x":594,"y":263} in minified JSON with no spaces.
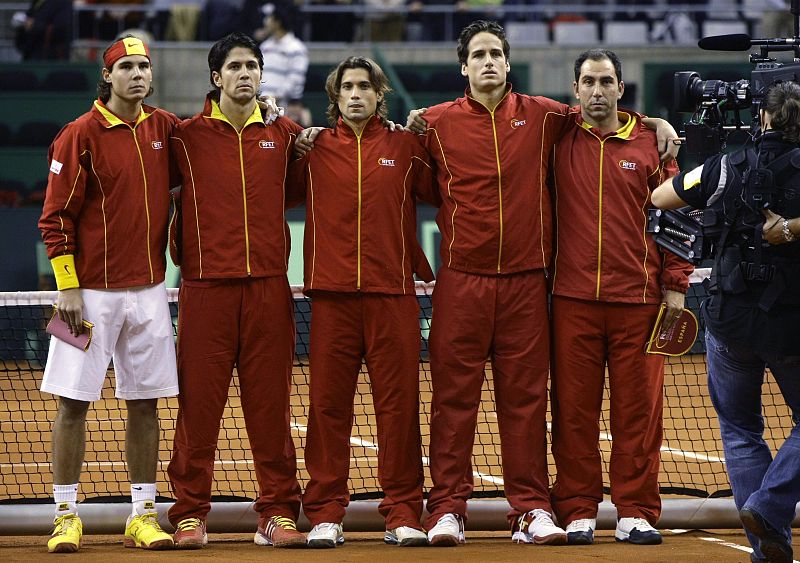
{"x":278,"y":531}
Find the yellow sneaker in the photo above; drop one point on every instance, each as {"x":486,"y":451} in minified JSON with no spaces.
{"x":143,"y":531}
{"x":67,"y":533}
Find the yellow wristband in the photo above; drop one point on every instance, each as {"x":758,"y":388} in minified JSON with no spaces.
{"x":64,"y":270}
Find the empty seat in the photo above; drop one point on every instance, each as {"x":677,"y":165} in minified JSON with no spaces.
{"x":66,"y":81}
{"x":527,"y":33}
{"x":36,"y":133}
{"x":575,"y":33}
{"x":625,"y":33}
{"x":18,"y":80}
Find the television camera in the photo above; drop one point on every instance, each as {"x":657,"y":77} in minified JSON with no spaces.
{"x":716,"y":108}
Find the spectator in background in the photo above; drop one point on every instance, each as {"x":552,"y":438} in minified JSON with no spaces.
{"x":285,"y":60}
{"x":45,"y":30}
{"x":385,"y":25}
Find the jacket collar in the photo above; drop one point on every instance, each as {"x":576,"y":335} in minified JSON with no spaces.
{"x":625,"y":132}
{"x":374,"y":123}
{"x":109,"y":119}
{"x":211,"y":111}
{"x":478,"y":106}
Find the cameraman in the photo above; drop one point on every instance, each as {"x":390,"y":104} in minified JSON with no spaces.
{"x":753,"y":311}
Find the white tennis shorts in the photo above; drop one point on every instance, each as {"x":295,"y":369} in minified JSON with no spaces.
{"x":133,"y":326}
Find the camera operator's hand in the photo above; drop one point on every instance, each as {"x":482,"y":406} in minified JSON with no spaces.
{"x":775,"y":231}
{"x":675,"y":301}
{"x":665,"y":137}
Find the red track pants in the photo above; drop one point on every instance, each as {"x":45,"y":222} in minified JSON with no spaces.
{"x":586,"y":336}
{"x":383,"y":329}
{"x":503,"y":318}
{"x":247,"y":323}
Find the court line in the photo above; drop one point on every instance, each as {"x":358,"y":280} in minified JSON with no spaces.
{"x":735,"y":546}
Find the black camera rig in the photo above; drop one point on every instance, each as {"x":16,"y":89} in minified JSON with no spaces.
{"x":716,"y":105}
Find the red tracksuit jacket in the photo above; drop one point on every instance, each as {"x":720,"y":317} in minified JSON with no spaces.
{"x":602,"y":187}
{"x":107,"y":201}
{"x":232,"y":201}
{"x":491,"y":169}
{"x":360,"y":193}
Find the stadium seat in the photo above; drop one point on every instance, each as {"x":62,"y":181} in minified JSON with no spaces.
{"x":625,"y":33}
{"x":575,"y":33}
{"x":723,"y":27}
{"x":527,"y":33}
{"x":65,"y":81}
{"x":36,"y":133}
{"x":18,"y":80}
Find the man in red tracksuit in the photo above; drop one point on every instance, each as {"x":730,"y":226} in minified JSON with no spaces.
{"x":491,"y":148}
{"x":236,"y":307}
{"x":361,"y":252}
{"x":608,"y":283}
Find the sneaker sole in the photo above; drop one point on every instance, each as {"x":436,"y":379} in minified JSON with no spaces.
{"x":552,"y":539}
{"x":155,"y":546}
{"x":626,"y":538}
{"x":445,"y":540}
{"x":291,"y":544}
{"x":65,"y":547}
{"x":414,"y":542}
{"x":579,"y":538}
{"x":322,"y":544}
{"x":771,"y":549}
{"x":189,"y":545}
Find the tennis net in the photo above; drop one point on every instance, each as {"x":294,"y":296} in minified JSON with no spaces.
{"x":691,"y":456}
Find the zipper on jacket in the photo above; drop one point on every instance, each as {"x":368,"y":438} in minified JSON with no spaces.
{"x":499,"y":190}
{"x":244,"y":202}
{"x":358,"y":228}
{"x":600,"y":217}
{"x":146,"y":203}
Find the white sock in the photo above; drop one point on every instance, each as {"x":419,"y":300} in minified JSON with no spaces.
{"x":143,"y":497}
{"x":66,"y":498}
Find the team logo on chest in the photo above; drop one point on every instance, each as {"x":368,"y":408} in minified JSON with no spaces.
{"x":382,"y":161}
{"x":627,"y":165}
{"x":517,"y":123}
{"x":266,"y":144}
{"x":157,"y":145}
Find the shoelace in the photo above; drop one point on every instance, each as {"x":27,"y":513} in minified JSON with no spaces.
{"x":449,"y":519}
{"x":285,"y":523}
{"x":580,"y":524}
{"x":642,"y":525}
{"x":189,"y":524}
{"x":64,"y":523}
{"x":150,"y":518}
{"x":323,"y":526}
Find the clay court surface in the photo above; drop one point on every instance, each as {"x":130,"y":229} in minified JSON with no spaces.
{"x":685,"y":547}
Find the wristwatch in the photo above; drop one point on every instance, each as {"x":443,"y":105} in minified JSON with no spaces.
{"x":788,"y":235}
